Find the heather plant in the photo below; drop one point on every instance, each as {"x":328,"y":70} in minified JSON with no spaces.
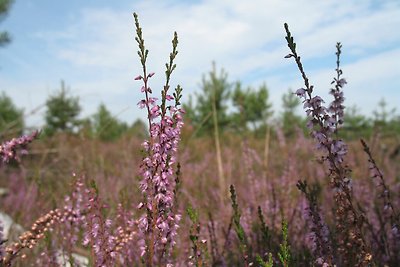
{"x":322,"y":247}
{"x":387,"y":235}
{"x":30,"y":238}
{"x":199,"y":246}
{"x":351,"y":222}
{"x":266,"y":241}
{"x":159,"y":223}
{"x":241,"y":235}
{"x":284,"y":248}
{"x":323,"y":123}
{"x":13,"y":149}
{"x":262,"y":263}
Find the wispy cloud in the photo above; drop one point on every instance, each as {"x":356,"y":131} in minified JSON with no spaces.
{"x":244,"y":37}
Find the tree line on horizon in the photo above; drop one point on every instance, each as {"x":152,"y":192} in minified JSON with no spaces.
{"x":239,"y":110}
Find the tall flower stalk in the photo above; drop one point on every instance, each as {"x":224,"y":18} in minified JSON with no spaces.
{"x":159,"y":223}
{"x":323,"y":124}
{"x":11,"y":150}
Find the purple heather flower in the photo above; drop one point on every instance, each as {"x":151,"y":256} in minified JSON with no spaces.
{"x":142,"y":104}
{"x":152,"y":100}
{"x":157,"y":169}
{"x":9,"y":149}
{"x":301,"y":92}
{"x":158,"y":224}
{"x":342,"y":82}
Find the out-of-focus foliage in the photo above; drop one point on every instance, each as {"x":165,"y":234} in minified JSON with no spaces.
{"x":4,"y":8}
{"x":62,"y":112}
{"x":106,"y":126}
{"x":355,"y":124}
{"x":138,"y":129}
{"x":11,"y":118}
{"x":252,"y":107}
{"x":290,"y":120}
{"x":386,"y":120}
{"x":215,"y":88}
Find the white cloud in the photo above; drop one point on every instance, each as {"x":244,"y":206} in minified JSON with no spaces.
{"x":244,"y":37}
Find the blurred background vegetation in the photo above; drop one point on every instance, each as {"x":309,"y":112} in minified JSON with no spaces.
{"x":240,"y":111}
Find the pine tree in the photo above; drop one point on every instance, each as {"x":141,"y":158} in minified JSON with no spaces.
{"x":106,"y":126}
{"x":62,"y":112}
{"x":215,"y":89}
{"x":4,"y":8}
{"x":252,"y":107}
{"x":11,"y":118}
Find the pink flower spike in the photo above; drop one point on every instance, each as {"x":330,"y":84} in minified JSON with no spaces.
{"x":151,"y":74}
{"x":169,"y":97}
{"x":137,"y":78}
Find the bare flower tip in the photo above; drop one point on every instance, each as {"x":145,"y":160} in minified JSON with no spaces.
{"x":286,"y":25}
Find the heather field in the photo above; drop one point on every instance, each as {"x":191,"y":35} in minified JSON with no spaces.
{"x":181,"y":192}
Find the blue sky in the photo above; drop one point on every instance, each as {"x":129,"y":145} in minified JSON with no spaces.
{"x":90,"y":44}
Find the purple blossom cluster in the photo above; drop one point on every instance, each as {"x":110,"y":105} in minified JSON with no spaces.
{"x":324,"y":122}
{"x":9,"y":149}
{"x":98,"y":233}
{"x":106,"y":238}
{"x":74,"y":205}
{"x":319,"y":233}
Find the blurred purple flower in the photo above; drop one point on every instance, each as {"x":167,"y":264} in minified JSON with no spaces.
{"x":9,"y":149}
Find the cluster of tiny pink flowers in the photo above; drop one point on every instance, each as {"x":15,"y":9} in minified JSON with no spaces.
{"x":323,"y":124}
{"x":9,"y":149}
{"x":74,"y":207}
{"x":157,"y":168}
{"x":319,"y":235}
{"x":97,"y":231}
